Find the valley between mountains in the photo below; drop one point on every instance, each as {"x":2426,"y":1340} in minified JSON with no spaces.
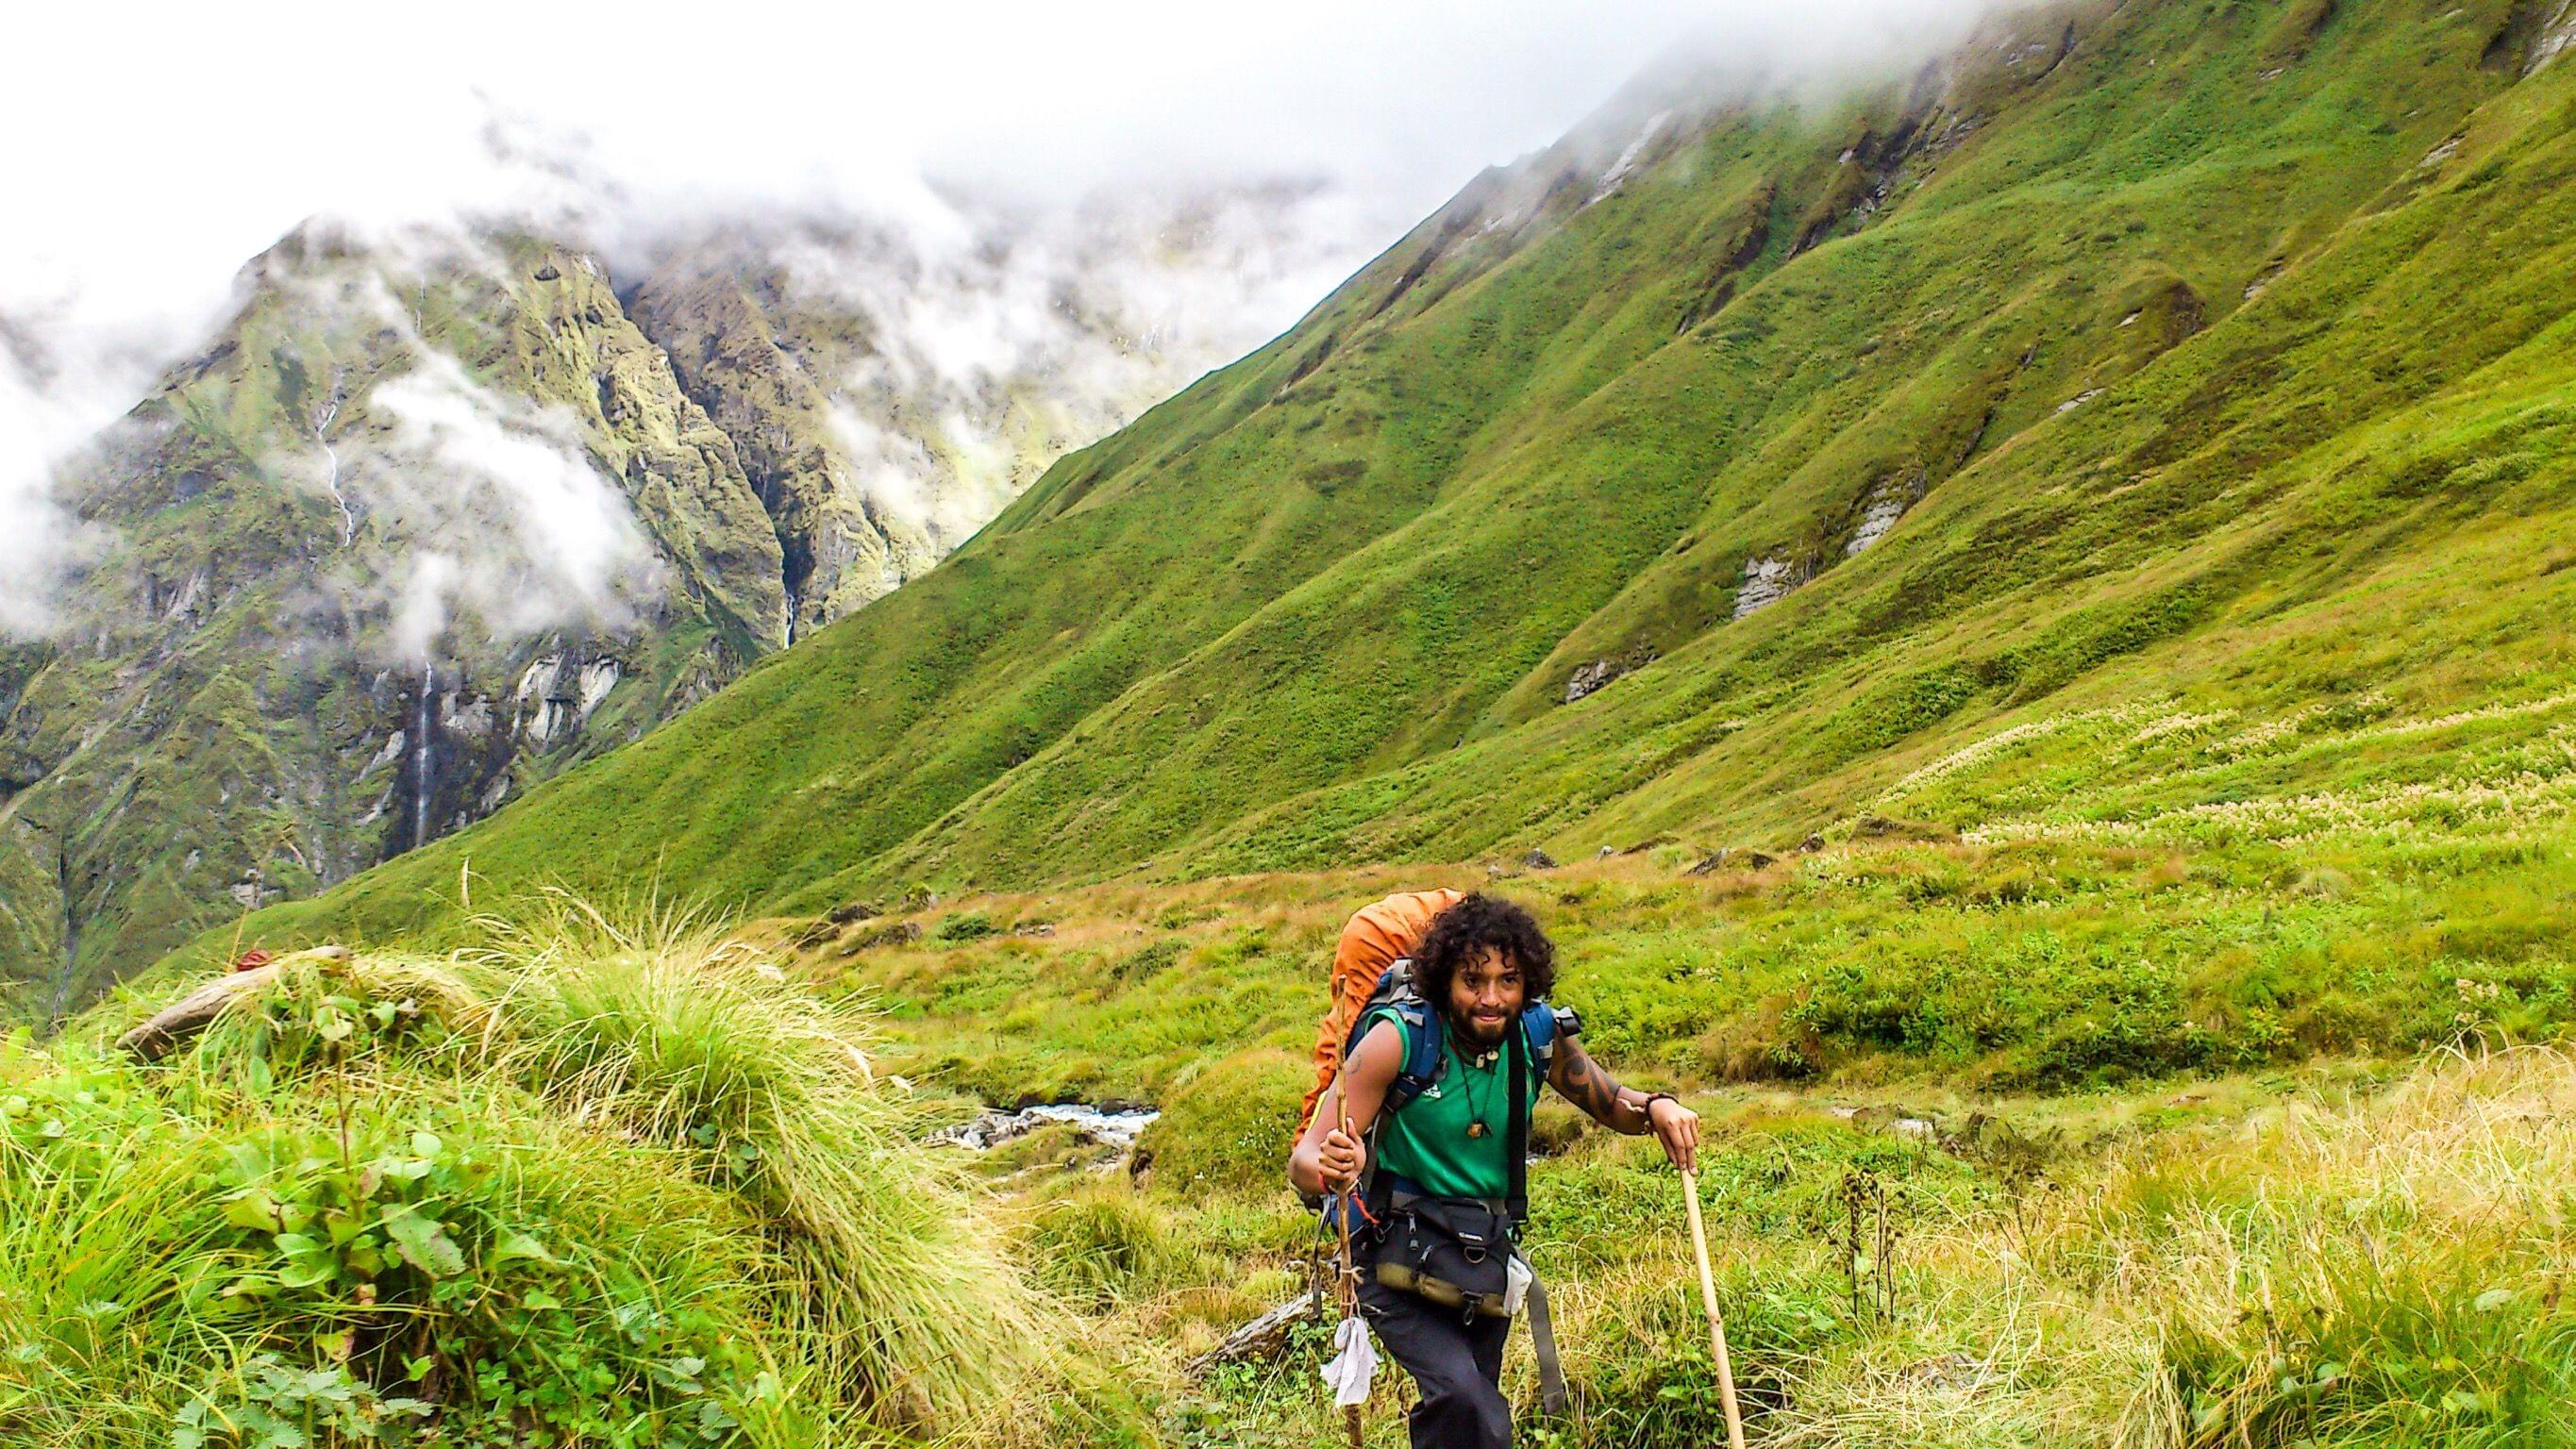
{"x":1712,"y":477}
{"x":2015,"y":622}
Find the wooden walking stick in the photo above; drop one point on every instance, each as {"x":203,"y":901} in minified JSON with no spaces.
{"x":1716,"y":1325}
{"x":1350,"y":1274}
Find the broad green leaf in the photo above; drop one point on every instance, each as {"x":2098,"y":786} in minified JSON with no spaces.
{"x":256,"y":1211}
{"x":424,"y":1244}
{"x":518,"y":1245}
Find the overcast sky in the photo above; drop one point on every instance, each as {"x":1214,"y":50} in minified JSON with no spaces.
{"x":150,"y":151}
{"x":153,"y":149}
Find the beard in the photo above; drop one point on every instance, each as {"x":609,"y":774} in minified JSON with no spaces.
{"x":1482,"y":1039}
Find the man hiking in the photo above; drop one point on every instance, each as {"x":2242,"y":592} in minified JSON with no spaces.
{"x":1452,"y":1051}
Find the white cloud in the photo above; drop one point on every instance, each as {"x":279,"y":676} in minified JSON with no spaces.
{"x":1064,"y":323}
{"x":156,"y":151}
{"x":503,"y":512}
{"x":58,"y":387}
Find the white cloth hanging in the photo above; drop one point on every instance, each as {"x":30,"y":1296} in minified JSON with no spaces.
{"x":1353,"y":1364}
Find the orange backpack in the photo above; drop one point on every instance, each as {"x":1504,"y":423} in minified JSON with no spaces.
{"x":1378,"y":936}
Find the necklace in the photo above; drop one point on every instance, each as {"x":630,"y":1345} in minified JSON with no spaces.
{"x":1476,"y":1109}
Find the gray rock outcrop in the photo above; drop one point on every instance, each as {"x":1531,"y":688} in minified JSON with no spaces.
{"x":1768,"y":579}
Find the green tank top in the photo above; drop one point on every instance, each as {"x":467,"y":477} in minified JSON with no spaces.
{"x":1428,"y":1138}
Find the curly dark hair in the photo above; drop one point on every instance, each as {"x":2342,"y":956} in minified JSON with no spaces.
{"x":1462,"y":932}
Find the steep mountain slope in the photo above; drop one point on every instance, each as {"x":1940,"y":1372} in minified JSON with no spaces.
{"x":370,"y":558}
{"x":439,"y":513}
{"x":2187,"y":383}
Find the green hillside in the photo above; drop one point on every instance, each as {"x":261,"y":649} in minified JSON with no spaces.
{"x":439,"y":511}
{"x":2161,"y":417}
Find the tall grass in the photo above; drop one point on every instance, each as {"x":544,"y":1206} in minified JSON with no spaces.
{"x":84,"y":1250}
{"x":2380,"y":1269}
{"x":609,"y":1178}
{"x":664,"y":1028}
{"x":2385,"y":1273}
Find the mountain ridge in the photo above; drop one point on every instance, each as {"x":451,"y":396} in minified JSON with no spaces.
{"x":2109,"y":323}
{"x":433,"y":516}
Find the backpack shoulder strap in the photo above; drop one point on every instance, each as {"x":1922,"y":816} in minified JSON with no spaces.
{"x":1422,"y":1059}
{"x":1544,"y":1025}
{"x":1415,"y":1074}
{"x":1516,"y":1116}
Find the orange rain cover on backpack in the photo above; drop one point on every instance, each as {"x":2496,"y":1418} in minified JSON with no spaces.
{"x":1377,"y":937}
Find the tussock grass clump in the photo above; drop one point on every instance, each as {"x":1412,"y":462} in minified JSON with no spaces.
{"x":1107,"y":1244}
{"x":601,"y":1180}
{"x":666,"y":1030}
{"x":1226,"y":1123}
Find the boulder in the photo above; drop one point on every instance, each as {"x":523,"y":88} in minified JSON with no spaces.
{"x":1768,"y":580}
{"x":1733,"y":858}
{"x":882,"y":933}
{"x":1591,"y":677}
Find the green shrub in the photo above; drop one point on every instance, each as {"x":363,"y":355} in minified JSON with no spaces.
{"x":183,"y":1264}
{"x":1106,"y":1243}
{"x":965,"y":926}
{"x":1229,"y":1124}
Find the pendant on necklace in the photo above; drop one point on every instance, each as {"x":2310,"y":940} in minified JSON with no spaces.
{"x":1475,"y":1129}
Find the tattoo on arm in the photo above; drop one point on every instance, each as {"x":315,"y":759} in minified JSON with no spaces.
{"x":1583,"y":1083}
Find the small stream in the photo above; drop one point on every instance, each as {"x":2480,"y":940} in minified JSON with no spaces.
{"x":1115,"y":1129}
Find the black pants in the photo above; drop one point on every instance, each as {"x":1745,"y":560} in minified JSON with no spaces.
{"x":1457,"y":1366}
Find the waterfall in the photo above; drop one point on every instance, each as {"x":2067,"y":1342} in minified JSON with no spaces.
{"x":71,"y":936}
{"x":331,"y":469}
{"x":423,"y":767}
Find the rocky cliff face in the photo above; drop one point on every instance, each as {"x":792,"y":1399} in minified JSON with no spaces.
{"x":887,"y":396}
{"x":351,"y":536}
{"x":433,"y":518}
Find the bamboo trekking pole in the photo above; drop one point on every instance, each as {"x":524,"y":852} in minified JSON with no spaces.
{"x":1716,"y":1325}
{"x":1349,"y":1277}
